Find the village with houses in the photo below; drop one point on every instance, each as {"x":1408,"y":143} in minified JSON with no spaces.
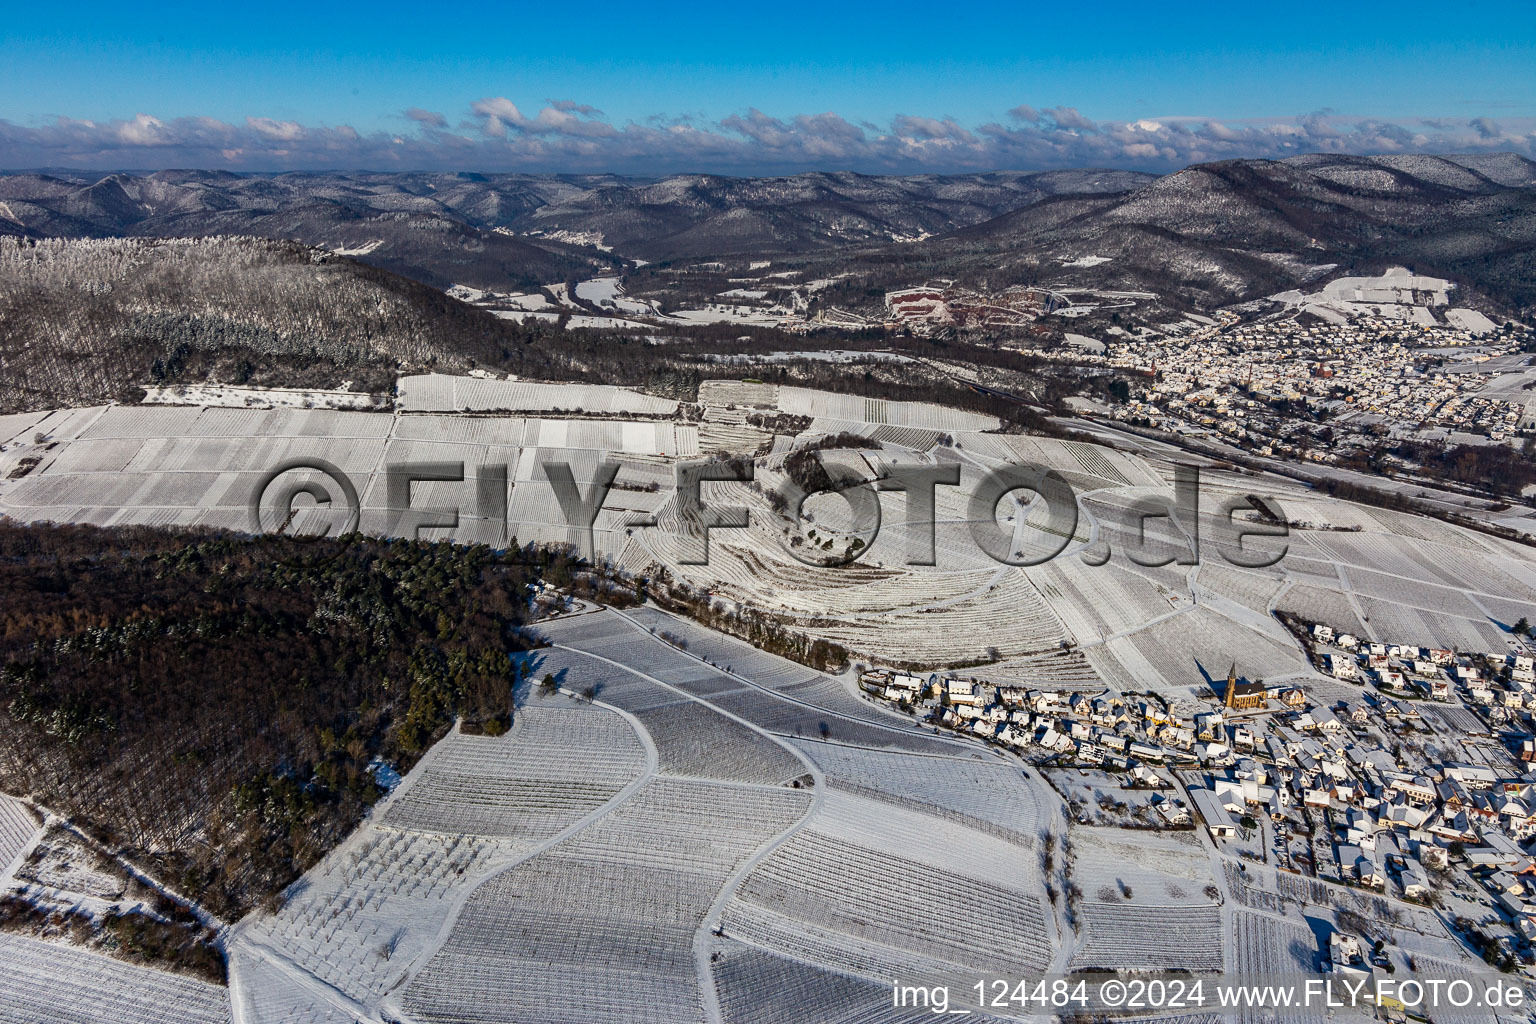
{"x":1421,"y":787}
{"x":1321,"y":381}
{"x":1345,"y":375}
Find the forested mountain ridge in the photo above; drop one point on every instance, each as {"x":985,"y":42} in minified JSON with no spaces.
{"x":83,"y":320}
{"x":691,"y":216}
{"x":1226,"y":232}
{"x":438,"y":229}
{"x":515,"y":231}
{"x":1206,"y":235}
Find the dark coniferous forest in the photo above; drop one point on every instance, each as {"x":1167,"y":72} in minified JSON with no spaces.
{"x":209,"y":705}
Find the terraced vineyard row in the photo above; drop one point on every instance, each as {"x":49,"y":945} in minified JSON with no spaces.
{"x":1120,"y":937}
{"x":562,"y":760}
{"x":889,"y":910}
{"x":45,"y":981}
{"x":603,"y":925}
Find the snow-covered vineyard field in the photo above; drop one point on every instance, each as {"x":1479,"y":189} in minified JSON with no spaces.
{"x":985,"y":794}
{"x":883,"y":891}
{"x":472,"y":806}
{"x":653,"y":853}
{"x":692,"y":829}
{"x":43,"y":981}
{"x":1383,"y":575}
{"x":1262,"y":944}
{"x":758,"y":987}
{"x":1147,"y":938}
{"x":612,"y":923}
{"x":765,"y":691}
{"x":1149,"y":900}
{"x":643,"y":855}
{"x":603,"y":926}
{"x":17,"y":828}
{"x":1136,"y":868}
{"x":556,"y":765}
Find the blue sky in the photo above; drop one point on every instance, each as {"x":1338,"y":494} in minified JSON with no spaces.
{"x":323,"y":68}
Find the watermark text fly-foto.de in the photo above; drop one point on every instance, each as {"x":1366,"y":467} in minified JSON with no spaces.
{"x":1095,"y":994}
{"x":1156,"y":529}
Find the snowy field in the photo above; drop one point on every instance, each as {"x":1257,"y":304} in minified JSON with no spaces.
{"x":624,"y":654}
{"x":47,"y":982}
{"x":1384,"y":575}
{"x":574,"y":320}
{"x":259,"y":398}
{"x":880,"y":891}
{"x":437,"y":392}
{"x":1138,"y":869}
{"x":986,"y":794}
{"x":471,"y":807}
{"x":730,"y":313}
{"x":603,"y":926}
{"x":652,"y":856}
{"x":1470,"y":320}
{"x":608,"y":293}
{"x":18,"y":827}
{"x":759,"y":987}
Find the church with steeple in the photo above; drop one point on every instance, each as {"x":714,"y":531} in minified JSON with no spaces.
{"x":1240,"y":696}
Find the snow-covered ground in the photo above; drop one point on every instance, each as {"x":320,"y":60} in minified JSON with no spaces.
{"x":608,"y":293}
{"x":577,"y":320}
{"x":589,"y":238}
{"x":530,"y":302}
{"x":229,"y":395}
{"x":562,"y":296}
{"x":512,"y":300}
{"x":442,"y":392}
{"x":722,"y":313}
{"x":361,"y":250}
{"x":716,"y":822}
{"x":1130,"y":626}
{"x":50,"y":983}
{"x":1470,"y":320}
{"x":1397,"y":294}
{"x":378,"y":905}
{"x":824,"y":355}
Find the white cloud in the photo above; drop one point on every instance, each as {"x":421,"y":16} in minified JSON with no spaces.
{"x":927,"y":129}
{"x":286,"y":131}
{"x":1068,"y":118}
{"x":571,"y":106}
{"x":498,"y":114}
{"x":143,"y":130}
{"x":566,"y":135}
{"x":426,"y":118}
{"x":1485,"y":127}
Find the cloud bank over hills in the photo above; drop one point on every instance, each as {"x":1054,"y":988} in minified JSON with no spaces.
{"x":495,"y":134}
